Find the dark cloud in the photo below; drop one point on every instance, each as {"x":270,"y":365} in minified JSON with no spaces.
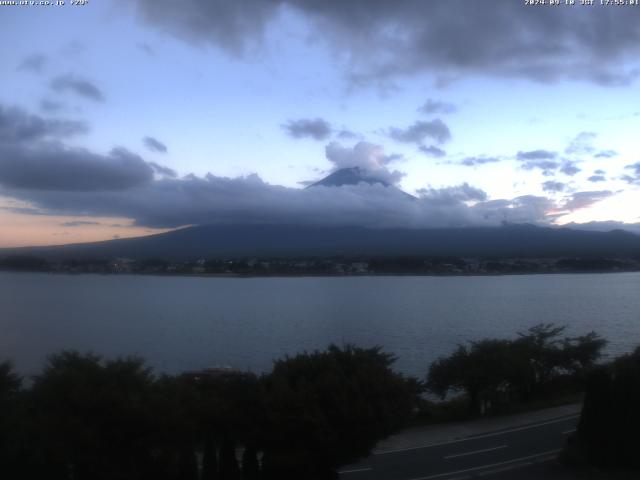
{"x":77,"y":85}
{"x":55,"y":167}
{"x":420,"y":131}
{"x":546,"y":161}
{"x":582,"y":144}
{"x":432,"y":106}
{"x":154,"y":145}
{"x":33,"y":63}
{"x":16,"y":125}
{"x":234,"y":26}
{"x":346,"y":134}
{"x":597,"y":178}
{"x":78,"y":223}
{"x":57,"y":180}
{"x":547,"y":166}
{"x":316,"y":128}
{"x":162,"y":170}
{"x":454,"y":39}
{"x":553,"y":186}
{"x":536,"y":155}
{"x":570,"y":168}
{"x":50,"y":106}
{"x":606,"y":154}
{"x":635,"y":167}
{"x":475,"y":161}
{"x":170,"y":203}
{"x":432,"y":151}
{"x":581,"y":200}
{"x":634,"y":177}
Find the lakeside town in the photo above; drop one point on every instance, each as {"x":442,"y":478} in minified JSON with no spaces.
{"x":325,"y":266}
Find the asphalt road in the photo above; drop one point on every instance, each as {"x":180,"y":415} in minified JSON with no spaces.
{"x":477,"y":456}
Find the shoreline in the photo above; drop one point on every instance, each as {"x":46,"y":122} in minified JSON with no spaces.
{"x":326,"y":275}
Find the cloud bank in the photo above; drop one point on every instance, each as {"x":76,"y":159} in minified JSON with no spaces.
{"x":53,"y":167}
{"x":17,"y":126}
{"x":78,"y":182}
{"x":55,"y":179}
{"x":454,"y":38}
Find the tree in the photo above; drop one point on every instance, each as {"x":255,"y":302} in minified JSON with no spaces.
{"x":92,"y":419}
{"x":209,"y":458}
{"x":550,"y":356}
{"x":480,"y":370}
{"x":502,"y":370}
{"x":582,"y":353}
{"x":176,"y":406}
{"x":229,"y":412}
{"x":541,"y":346}
{"x":250,"y":465}
{"x":326,"y":409}
{"x":10,"y":420}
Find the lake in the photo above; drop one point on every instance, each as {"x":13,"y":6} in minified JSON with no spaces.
{"x":180,"y":323}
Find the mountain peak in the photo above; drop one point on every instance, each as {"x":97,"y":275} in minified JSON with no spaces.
{"x":350,"y":176}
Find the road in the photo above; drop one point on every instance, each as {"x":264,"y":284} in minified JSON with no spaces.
{"x":476,"y":456}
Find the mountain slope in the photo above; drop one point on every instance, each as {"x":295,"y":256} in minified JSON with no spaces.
{"x":211,"y":241}
{"x":355,"y":176}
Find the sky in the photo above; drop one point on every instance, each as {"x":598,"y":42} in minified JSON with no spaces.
{"x":123,"y":120}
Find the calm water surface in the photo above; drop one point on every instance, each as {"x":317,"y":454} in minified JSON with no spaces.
{"x":180,"y":323}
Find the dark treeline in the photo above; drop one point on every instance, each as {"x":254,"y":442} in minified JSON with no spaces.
{"x":333,"y":265}
{"x":607,"y":434}
{"x":24,"y":263}
{"x":495,"y":373}
{"x":87,"y":418}
{"x":84,"y":417}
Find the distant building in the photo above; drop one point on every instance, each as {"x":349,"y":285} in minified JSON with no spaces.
{"x":360,"y":267}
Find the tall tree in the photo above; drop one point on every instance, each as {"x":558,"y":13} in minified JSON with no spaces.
{"x":480,"y":370}
{"x":93,"y":418}
{"x":326,"y":409}
{"x":10,"y":421}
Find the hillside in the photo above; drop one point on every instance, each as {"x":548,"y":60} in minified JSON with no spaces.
{"x":215,"y":241}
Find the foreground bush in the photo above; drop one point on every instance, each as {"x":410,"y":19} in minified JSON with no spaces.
{"x":85,"y":418}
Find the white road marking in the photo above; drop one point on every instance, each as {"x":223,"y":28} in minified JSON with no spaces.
{"x":474,"y":452}
{"x":486,"y":435}
{"x":504,"y":468}
{"x":482,"y":467}
{"x":355,"y":470}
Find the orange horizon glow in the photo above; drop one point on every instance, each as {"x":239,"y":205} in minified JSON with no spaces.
{"x":20,"y":230}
